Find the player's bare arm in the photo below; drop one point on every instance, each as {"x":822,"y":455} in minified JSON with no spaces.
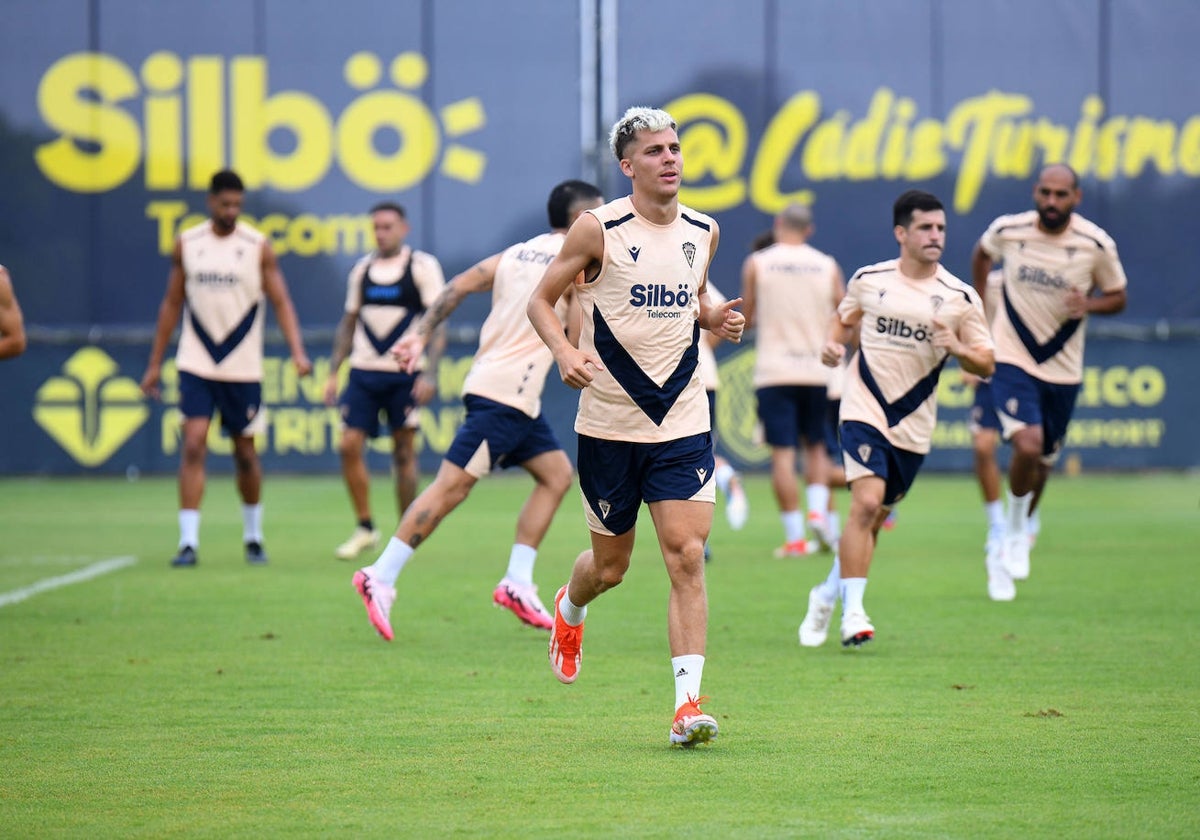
{"x":168,"y":316}
{"x":980,"y":361}
{"x":981,"y":266}
{"x":839,"y":285}
{"x":343,"y":337}
{"x":841,"y":333}
{"x":478,"y":278}
{"x":749,"y":290}
{"x":581,"y":254}
{"x":1106,"y":303}
{"x":12,"y":324}
{"x":723,"y":321}
{"x":276,"y":291}
{"x":425,"y":386}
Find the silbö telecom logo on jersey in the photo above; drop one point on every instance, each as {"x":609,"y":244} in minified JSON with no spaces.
{"x":660,"y":301}
{"x":90,"y":410}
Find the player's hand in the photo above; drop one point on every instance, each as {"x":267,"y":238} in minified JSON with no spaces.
{"x":150,"y":379}
{"x":576,"y":368}
{"x":1076,"y":303}
{"x":407,"y":351}
{"x":944,"y":338}
{"x":424,"y":389}
{"x":730,"y":323}
{"x":302,"y":364}
{"x":832,"y":353}
{"x":971,"y":380}
{"x":331,"y":389}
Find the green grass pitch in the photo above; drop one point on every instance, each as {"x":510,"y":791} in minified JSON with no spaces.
{"x":231,"y":701}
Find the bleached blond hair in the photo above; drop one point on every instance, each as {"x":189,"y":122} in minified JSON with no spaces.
{"x":638,"y":118}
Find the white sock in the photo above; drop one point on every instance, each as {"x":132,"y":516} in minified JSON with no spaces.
{"x":995,"y":514}
{"x":391,"y":563}
{"x":1018,"y":512}
{"x":1035,"y":523}
{"x":570,"y":613}
{"x":833,"y":524}
{"x":831,"y":587}
{"x":520,"y":564}
{"x":818,"y":498}
{"x":852,"y":595}
{"x":722,"y":476}
{"x":687,"y":669}
{"x":189,"y":528}
{"x":793,"y":525}
{"x":252,"y":523}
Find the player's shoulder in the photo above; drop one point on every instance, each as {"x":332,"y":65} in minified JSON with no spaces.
{"x":246,"y":232}
{"x":614,"y":213}
{"x":874,"y":271}
{"x":1086,"y":228}
{"x":957,"y":286}
{"x":1015,"y":224}
{"x":195,"y":232}
{"x":700,"y":220}
{"x":424,"y":258}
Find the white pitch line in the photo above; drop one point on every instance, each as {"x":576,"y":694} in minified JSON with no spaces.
{"x":78,"y":576}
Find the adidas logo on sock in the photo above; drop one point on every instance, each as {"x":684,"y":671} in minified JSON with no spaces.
{"x":682,"y":672}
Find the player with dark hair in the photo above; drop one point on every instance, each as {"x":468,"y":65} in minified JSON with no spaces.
{"x":911,"y":315}
{"x":504,"y":426}
{"x":220,"y":272}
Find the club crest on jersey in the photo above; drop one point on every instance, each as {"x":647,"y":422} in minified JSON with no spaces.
{"x":634,"y":250}
{"x":937,"y":301}
{"x":689,"y":252}
{"x":605,"y":508}
{"x":864,"y":452}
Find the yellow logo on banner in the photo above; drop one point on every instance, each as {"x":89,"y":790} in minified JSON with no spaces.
{"x":90,"y":411}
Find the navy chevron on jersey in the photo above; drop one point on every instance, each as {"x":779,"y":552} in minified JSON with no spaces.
{"x":640,"y":317}
{"x":389,"y":294}
{"x":1032,"y":328}
{"x":221,"y":337}
{"x":891,"y":383}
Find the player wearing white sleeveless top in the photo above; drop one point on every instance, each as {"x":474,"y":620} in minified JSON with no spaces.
{"x":220,"y":273}
{"x":910,"y":315}
{"x":643,"y":421}
{"x":1059,"y":268}
{"x":504,"y":426}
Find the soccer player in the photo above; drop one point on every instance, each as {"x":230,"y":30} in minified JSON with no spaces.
{"x":642,"y":423}
{"x":790,"y":291}
{"x":737,"y":506}
{"x":504,"y":426}
{"x":1058,"y":269}
{"x":387,"y":291}
{"x":12,"y":325}
{"x":913,"y":315}
{"x":985,"y":440}
{"x":220,"y":272}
